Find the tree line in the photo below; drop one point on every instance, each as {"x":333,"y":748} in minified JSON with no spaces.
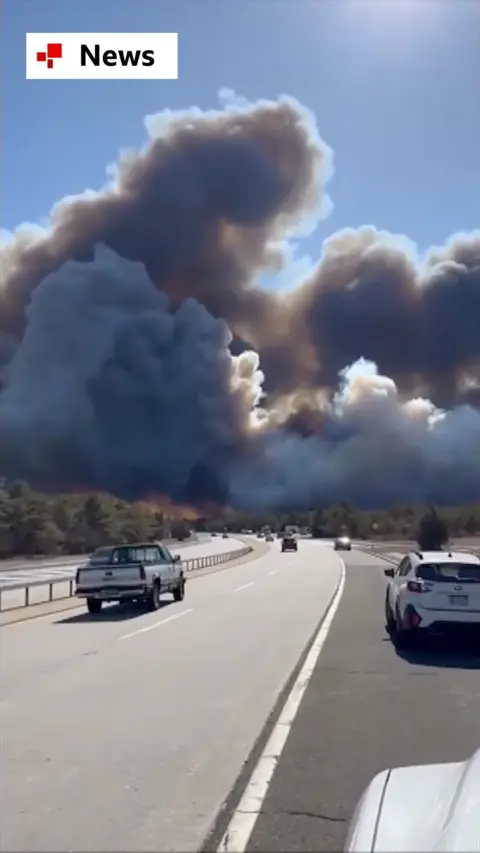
{"x":396,"y":523}
{"x":33,"y":523}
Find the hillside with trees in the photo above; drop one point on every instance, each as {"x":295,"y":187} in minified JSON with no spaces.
{"x":32,"y":523}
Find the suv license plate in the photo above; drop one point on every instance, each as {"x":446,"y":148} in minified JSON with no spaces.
{"x":459,"y":600}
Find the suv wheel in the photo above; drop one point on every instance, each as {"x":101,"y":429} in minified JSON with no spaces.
{"x":389,"y":617}
{"x":402,"y":638}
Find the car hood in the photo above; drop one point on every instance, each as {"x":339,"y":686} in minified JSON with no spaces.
{"x":433,"y":808}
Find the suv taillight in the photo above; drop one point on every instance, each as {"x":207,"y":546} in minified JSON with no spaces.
{"x":416,"y":586}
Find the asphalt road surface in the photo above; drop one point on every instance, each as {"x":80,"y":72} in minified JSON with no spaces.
{"x":366,"y":708}
{"x":26,"y":573}
{"x":127,"y":731}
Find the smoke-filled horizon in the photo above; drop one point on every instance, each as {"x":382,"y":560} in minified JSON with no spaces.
{"x":136,"y":346}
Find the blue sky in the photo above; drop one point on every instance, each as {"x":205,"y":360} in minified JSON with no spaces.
{"x":394,"y":85}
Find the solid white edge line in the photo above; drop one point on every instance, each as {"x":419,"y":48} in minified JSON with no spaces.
{"x":244,"y":818}
{"x":155,"y":624}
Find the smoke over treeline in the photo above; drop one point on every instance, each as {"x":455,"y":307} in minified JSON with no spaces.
{"x":118,"y":327}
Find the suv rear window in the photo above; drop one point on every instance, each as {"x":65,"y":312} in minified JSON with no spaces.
{"x":449,"y":572}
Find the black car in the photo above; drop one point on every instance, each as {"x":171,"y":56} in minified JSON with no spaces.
{"x":289,"y":543}
{"x":343,"y":543}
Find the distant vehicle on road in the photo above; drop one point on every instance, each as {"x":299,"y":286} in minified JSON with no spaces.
{"x":422,"y":807}
{"x":432,"y":592}
{"x":130,"y":573}
{"x":343,"y":543}
{"x":269,"y":537}
{"x":289,"y":543}
{"x":225,"y":535}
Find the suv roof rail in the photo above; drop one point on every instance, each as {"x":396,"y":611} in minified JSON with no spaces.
{"x":419,"y":555}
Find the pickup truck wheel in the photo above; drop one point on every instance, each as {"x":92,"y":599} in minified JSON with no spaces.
{"x":94,"y":605}
{"x":179,"y":591}
{"x":153,"y":600}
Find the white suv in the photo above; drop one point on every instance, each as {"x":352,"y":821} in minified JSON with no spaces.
{"x":433,"y":591}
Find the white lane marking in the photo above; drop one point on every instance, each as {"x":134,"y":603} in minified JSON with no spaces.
{"x":244,"y":586}
{"x":156,"y":624}
{"x":273,"y":573}
{"x":240,"y":828}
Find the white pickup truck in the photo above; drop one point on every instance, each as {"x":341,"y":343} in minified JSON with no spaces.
{"x":130,"y":573}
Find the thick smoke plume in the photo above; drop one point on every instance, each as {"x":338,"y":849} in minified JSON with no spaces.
{"x":116,"y":353}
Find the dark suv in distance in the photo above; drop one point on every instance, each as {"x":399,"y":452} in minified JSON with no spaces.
{"x":289,"y":543}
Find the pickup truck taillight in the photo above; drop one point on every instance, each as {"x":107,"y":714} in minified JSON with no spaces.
{"x":142,"y":573}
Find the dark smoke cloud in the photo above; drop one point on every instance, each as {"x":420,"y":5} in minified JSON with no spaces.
{"x":201,"y":207}
{"x":367,"y":298}
{"x":117,"y":365}
{"x":370,"y":448}
{"x":110,"y":388}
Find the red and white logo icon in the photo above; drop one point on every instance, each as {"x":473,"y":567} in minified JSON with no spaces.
{"x":53,"y":51}
{"x":101,"y":56}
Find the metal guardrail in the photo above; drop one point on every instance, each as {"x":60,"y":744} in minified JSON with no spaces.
{"x":38,"y":561}
{"x":187,"y":565}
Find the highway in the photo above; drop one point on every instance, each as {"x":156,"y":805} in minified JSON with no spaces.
{"x":126,"y":732}
{"x":141,"y":731}
{"x":47,"y":570}
{"x":365,"y":709}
